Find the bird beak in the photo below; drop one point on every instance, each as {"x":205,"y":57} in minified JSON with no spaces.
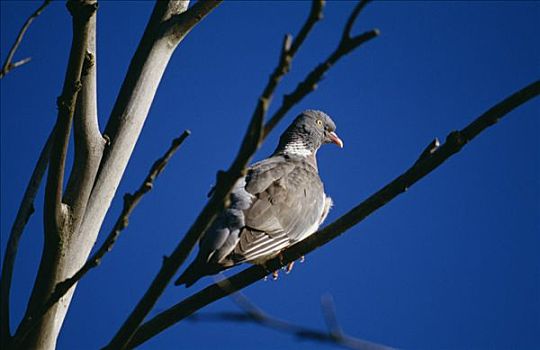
{"x":335,"y":139}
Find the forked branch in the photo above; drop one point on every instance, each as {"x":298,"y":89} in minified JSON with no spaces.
{"x":225,"y":182}
{"x":345,"y":46}
{"x":454,"y":143}
{"x":130,"y":202}
{"x":56,"y":213}
{"x":26,"y":209}
{"x":8,"y":64}
{"x":218,"y":201}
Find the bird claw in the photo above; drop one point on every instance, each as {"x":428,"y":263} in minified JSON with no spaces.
{"x":302,"y":258}
{"x":289,"y":267}
{"x":275,"y":275}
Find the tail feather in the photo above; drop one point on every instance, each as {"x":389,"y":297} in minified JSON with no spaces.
{"x":196,"y":271}
{"x":191,"y":275}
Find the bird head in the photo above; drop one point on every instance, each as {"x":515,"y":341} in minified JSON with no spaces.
{"x":309,"y":131}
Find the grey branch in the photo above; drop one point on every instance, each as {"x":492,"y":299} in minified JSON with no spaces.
{"x":168,"y":24}
{"x":454,"y":143}
{"x":130,"y":203}
{"x":26,"y":209}
{"x":89,"y":144}
{"x":8,"y":64}
{"x":253,"y":314}
{"x":345,"y":46}
{"x":288,"y":50}
{"x":219,"y":199}
{"x":57,"y":214}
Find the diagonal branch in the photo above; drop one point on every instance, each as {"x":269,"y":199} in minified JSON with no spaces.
{"x":454,"y":143}
{"x":8,"y":64}
{"x":218,"y":201}
{"x":346,"y":45}
{"x":253,"y":314}
{"x":288,"y":50}
{"x":130,"y":202}
{"x":26,"y":209}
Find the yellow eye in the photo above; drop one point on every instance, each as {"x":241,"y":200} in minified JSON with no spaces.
{"x":319,"y":122}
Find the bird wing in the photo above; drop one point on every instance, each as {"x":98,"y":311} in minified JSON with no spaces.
{"x":288,"y":202}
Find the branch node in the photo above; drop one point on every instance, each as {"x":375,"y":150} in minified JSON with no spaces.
{"x":429,"y":150}
{"x":456,"y":139}
{"x":147,"y":186}
{"x":287,"y":42}
{"x":81,"y":9}
{"x":88,"y":63}
{"x":128,"y":199}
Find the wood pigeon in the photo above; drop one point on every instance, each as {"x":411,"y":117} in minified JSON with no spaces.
{"x":279,"y":202}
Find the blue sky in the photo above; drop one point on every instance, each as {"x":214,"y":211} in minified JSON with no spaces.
{"x":451,"y":264}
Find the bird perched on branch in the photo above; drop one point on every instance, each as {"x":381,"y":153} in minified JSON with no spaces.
{"x":279,"y":202}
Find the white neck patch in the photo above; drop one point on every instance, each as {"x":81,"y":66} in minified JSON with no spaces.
{"x":298,"y":148}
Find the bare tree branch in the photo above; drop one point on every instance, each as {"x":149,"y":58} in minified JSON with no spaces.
{"x":352,"y":18}
{"x":454,"y":143}
{"x":130,"y":202}
{"x":253,"y":314}
{"x":89,"y":144}
{"x":127,"y":118}
{"x":346,"y":45}
{"x":8,"y":65}
{"x":181,"y":24}
{"x":219,"y":199}
{"x":26,"y":209}
{"x":57,"y":214}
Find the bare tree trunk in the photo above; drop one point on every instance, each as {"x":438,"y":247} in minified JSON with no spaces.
{"x":73,"y":220}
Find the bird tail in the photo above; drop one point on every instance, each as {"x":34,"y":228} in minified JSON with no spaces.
{"x":197,"y":270}
{"x":191,"y":275}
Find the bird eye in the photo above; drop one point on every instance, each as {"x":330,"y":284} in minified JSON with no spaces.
{"x":319,"y":122}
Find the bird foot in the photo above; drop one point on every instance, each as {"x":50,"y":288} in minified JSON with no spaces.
{"x":302,"y":258}
{"x":289,"y":267}
{"x":275,"y":275}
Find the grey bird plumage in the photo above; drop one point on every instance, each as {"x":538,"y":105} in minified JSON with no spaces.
{"x":279,"y":202}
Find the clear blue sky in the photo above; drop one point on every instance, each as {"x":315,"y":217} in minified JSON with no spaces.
{"x":452,"y":264}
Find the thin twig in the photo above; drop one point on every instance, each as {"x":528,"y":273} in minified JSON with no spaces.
{"x":454,"y":143}
{"x":130,"y":203}
{"x":219,"y":199}
{"x":8,"y":65}
{"x":253,"y":314}
{"x":26,"y":209}
{"x":345,"y":46}
{"x":288,"y":50}
{"x":352,"y":18}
